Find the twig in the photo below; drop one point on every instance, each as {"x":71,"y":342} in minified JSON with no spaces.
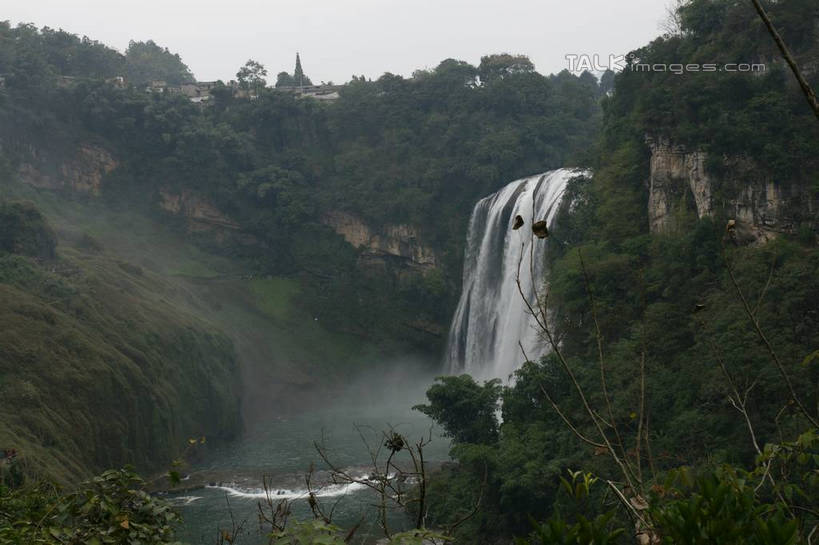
{"x":810,"y":535}
{"x":578,"y":388}
{"x":567,"y":422}
{"x":642,"y":411}
{"x":599,"y":336}
{"x":451,"y":528}
{"x":767,"y":284}
{"x":781,"y":368}
{"x":627,"y":503}
{"x":807,"y":90}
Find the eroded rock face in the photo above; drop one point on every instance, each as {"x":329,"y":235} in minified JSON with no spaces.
{"x":761,"y":206}
{"x":674,"y":174}
{"x":400,"y":241}
{"x":202,"y":215}
{"x":82,"y":172}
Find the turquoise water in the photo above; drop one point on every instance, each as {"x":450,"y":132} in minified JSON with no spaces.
{"x":282,"y":449}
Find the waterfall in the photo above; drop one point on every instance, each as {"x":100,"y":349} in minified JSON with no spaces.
{"x":491,"y":318}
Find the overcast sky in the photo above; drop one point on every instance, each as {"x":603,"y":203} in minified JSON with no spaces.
{"x":339,"y":38}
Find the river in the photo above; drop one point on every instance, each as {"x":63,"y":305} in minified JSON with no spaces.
{"x":282,"y":449}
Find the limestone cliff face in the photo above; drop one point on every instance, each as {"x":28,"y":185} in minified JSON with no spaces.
{"x":762,"y":207}
{"x":392,"y":241}
{"x":82,"y":171}
{"x":201,"y":214}
{"x":674,"y":174}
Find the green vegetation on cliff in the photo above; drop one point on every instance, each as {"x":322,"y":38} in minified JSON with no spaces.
{"x":84,"y":328}
{"x":665,"y":301}
{"x":393,"y":152}
{"x":97,"y":367}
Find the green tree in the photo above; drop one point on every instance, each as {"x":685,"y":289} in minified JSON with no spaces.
{"x":502,"y":65}
{"x":465,"y":409}
{"x":147,"y":61}
{"x":283,"y":79}
{"x":251,"y":76}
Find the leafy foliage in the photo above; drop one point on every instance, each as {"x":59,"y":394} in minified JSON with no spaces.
{"x":111,"y":508}
{"x":465,"y":409}
{"x":24,"y":231}
{"x":714,"y":511}
{"x":318,"y":532}
{"x":667,"y":300}
{"x":147,"y":61}
{"x":251,"y":76}
{"x":392,"y":152}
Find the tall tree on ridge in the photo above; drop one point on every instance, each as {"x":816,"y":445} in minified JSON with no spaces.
{"x":251,"y":76}
{"x":298,"y":74}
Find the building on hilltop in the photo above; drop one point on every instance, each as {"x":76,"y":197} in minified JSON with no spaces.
{"x":300,"y":85}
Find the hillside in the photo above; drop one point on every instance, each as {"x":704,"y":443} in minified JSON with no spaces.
{"x":699,"y":225}
{"x":367,"y":195}
{"x":85,"y":334}
{"x":190,"y":269}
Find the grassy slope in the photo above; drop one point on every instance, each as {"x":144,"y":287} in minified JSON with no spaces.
{"x":98,"y":369}
{"x":283,"y":353}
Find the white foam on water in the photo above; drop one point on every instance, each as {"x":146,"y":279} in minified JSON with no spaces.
{"x":325,"y":491}
{"x":185,"y":500}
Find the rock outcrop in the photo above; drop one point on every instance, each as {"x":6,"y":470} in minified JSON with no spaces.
{"x":200,"y":213}
{"x":399,"y":241}
{"x":762,"y":206}
{"x":674,"y":174}
{"x":82,"y":172}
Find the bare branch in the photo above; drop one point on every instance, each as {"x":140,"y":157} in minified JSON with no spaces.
{"x":451,"y":528}
{"x":767,"y":285}
{"x":599,"y":337}
{"x":774,"y":357}
{"x":807,"y":90}
{"x":578,"y":388}
{"x":642,"y":411}
{"x":568,"y":422}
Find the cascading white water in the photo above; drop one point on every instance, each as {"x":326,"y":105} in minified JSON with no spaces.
{"x":492,"y":318}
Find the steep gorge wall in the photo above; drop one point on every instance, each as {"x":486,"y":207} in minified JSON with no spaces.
{"x":409,"y":274}
{"x":762,"y":206}
{"x":82,"y":171}
{"x":401,"y":242}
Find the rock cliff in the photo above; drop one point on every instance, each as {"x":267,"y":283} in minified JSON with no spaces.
{"x":762,"y":206}
{"x":82,"y":171}
{"x":391,"y":241}
{"x":200,"y":213}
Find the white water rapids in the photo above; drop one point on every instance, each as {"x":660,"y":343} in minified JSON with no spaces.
{"x":491,"y":317}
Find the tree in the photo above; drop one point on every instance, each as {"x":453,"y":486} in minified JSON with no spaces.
{"x":298,"y":74}
{"x":458,"y":72}
{"x":147,"y":61}
{"x":502,"y":65}
{"x":283,"y":79}
{"x":607,"y":82}
{"x":464,"y":408}
{"x":251,"y":76}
